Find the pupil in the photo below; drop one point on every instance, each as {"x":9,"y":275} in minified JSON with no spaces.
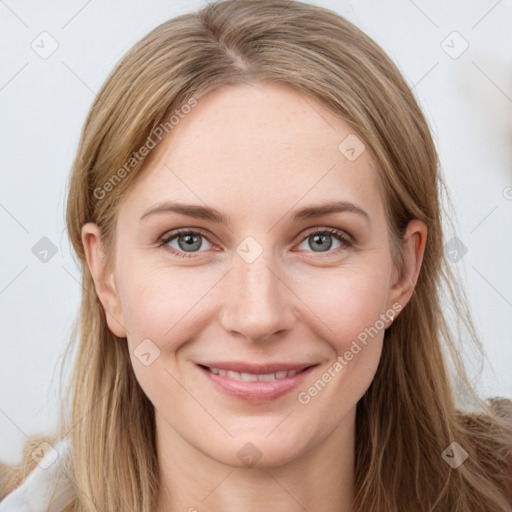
{"x":321,"y":238}
{"x":189,"y":242}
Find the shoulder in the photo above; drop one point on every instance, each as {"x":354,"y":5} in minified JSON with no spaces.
{"x":33,"y":493}
{"x":494,"y":440}
{"x":503,"y":409}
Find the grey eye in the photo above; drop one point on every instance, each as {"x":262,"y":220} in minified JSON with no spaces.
{"x":320,"y":242}
{"x":187,"y":242}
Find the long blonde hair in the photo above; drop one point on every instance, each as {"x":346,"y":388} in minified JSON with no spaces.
{"x":408,"y":416}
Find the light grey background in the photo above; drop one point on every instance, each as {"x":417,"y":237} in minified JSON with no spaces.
{"x":43,"y":102}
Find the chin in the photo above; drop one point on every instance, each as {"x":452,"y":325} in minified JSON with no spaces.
{"x":261,"y":449}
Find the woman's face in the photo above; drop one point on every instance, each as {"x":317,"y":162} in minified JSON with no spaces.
{"x":263,"y":285}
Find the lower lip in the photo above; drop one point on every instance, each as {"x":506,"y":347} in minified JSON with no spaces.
{"x":259,"y":391}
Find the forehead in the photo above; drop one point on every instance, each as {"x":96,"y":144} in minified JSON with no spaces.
{"x":257,"y":149}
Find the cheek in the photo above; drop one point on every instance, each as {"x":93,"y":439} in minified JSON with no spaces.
{"x":159,"y":307}
{"x":351,"y":324}
{"x":162,"y":303}
{"x":347,"y":302}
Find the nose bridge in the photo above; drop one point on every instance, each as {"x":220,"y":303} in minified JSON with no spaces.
{"x":258,"y":304}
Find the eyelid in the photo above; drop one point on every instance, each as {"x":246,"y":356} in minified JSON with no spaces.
{"x":168,"y":235}
{"x":171,"y":234}
{"x":332,"y":231}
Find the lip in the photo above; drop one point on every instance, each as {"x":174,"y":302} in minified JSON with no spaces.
{"x":258,"y":391}
{"x":258,"y":369}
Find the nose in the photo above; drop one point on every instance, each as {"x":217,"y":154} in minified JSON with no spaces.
{"x":258,"y":304}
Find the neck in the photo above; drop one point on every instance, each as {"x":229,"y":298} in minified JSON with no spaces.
{"x":321,"y":478}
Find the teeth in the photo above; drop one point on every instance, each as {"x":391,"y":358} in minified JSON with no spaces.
{"x":251,"y":377}
{"x":266,"y":377}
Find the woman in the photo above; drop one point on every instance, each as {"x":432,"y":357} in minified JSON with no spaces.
{"x":255,"y":203}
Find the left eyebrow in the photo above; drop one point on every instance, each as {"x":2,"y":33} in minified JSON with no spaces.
{"x":310,"y":212}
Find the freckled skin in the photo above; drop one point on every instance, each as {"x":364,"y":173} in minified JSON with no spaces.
{"x":256,"y":153}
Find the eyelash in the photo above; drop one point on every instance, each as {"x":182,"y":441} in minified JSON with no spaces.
{"x":339,"y":235}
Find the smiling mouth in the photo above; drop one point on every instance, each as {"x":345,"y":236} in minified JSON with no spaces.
{"x":253,"y":377}
{"x":262,"y":384}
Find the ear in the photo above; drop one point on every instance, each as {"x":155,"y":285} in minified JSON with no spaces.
{"x":413,"y":243}
{"x":103,"y":282}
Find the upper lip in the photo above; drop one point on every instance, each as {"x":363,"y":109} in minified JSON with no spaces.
{"x":256,"y":369}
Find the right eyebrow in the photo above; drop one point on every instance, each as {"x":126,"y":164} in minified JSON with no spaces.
{"x":196,"y":211}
